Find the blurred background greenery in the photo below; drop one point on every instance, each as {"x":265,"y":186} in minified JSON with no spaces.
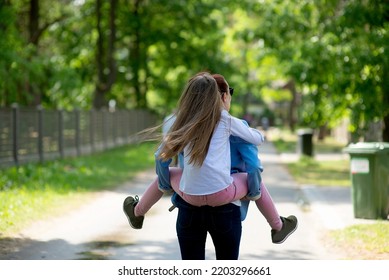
{"x":321,"y":64}
{"x":318,"y":64}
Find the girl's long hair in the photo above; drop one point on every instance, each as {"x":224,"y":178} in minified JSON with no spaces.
{"x":198,"y":112}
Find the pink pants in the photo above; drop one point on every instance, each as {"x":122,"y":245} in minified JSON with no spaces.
{"x":237,"y":190}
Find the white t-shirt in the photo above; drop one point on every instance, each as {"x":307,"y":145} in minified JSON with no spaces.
{"x":214,"y":174}
{"x":167,"y":123}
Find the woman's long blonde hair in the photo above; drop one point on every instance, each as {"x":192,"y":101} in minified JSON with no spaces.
{"x":198,"y":112}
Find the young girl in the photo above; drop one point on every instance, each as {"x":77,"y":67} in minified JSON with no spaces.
{"x":202,"y":130}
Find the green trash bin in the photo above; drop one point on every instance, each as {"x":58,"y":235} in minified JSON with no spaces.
{"x":369,"y":172}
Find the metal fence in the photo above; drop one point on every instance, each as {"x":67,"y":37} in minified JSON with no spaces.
{"x":36,"y":135}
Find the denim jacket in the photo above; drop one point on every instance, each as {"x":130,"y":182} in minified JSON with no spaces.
{"x":244,"y":158}
{"x":162,"y":170}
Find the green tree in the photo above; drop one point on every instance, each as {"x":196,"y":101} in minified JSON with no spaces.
{"x":330,"y":54}
{"x":363,"y":28}
{"x":335,"y":52}
{"x":161,"y":44}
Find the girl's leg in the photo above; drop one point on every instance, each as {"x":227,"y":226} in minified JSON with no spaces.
{"x":282,"y":227}
{"x":175,"y":178}
{"x":238,"y":190}
{"x":264,"y":203}
{"x":268,"y":209}
{"x":148,"y":199}
{"x":153,"y":194}
{"x":235,"y":191}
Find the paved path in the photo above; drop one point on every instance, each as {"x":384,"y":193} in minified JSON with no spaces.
{"x":99,"y":230}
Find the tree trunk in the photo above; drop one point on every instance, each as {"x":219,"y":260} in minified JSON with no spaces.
{"x":135,"y":55}
{"x":322,"y":133}
{"x":111,"y":44}
{"x":385,"y":90}
{"x":385,"y":132}
{"x":292,"y":112}
{"x":105,"y":56}
{"x":99,"y":100}
{"x":33,"y":27}
{"x":33,"y":38}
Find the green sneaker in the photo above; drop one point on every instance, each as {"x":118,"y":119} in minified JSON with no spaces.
{"x":288,"y":227}
{"x":128,"y":208}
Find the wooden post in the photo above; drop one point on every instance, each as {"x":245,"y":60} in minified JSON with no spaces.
{"x":40,"y":133}
{"x":15,"y":133}
{"x":60,"y":134}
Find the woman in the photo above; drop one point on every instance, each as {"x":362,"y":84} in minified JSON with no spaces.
{"x":202,"y":130}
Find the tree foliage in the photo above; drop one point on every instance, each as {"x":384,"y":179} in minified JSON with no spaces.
{"x":327,"y":60}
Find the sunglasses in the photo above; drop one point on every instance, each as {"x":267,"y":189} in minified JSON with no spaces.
{"x":230,"y":89}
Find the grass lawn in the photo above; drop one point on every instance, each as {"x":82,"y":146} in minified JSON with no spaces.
{"x":36,"y":191}
{"x":366,"y":241}
{"x":308,"y":171}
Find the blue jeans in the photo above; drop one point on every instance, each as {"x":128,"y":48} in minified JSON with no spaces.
{"x":223,"y":223}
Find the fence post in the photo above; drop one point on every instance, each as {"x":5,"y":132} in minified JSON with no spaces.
{"x":15,"y":133}
{"x":78,"y":142}
{"x":114,"y":123}
{"x":92,"y":129}
{"x":104,"y":125}
{"x":126,"y":127}
{"x":60,"y":134}
{"x":40,"y":133}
